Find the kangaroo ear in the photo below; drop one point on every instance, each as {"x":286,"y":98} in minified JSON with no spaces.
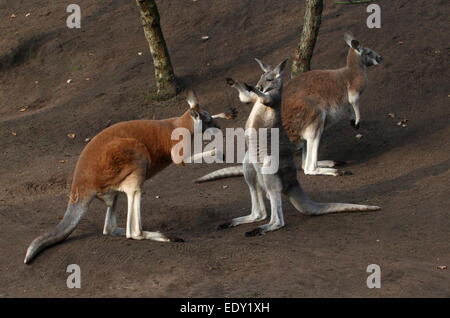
{"x":194,"y":113}
{"x":355,"y":44}
{"x":350,"y":40}
{"x":266,"y":68}
{"x":192,"y":99}
{"x":280,"y":67}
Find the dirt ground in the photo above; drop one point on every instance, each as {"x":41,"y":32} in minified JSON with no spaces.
{"x":405,"y":170}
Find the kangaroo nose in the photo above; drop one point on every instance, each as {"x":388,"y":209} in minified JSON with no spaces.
{"x":379,"y":59}
{"x":258,"y":87}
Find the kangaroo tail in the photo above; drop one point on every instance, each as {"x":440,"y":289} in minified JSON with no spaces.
{"x":222,"y":173}
{"x":72,"y":217}
{"x":307,"y":206}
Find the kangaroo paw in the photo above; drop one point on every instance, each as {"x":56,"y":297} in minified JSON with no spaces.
{"x":344,"y":173}
{"x":354,"y":124}
{"x":230,"y":81}
{"x":224,"y":226}
{"x":175,"y":239}
{"x":255,"y":232}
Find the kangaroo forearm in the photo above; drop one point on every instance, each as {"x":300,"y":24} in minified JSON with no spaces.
{"x":265,"y":99}
{"x":356,"y":116}
{"x":245,"y":96}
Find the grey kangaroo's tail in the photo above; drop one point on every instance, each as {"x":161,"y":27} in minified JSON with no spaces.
{"x":222,"y":173}
{"x":73,"y":215}
{"x":307,"y":206}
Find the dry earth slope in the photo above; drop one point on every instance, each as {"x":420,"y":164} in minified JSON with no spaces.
{"x":404,"y":170}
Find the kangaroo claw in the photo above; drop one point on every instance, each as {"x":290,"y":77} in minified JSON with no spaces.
{"x":230,"y":81}
{"x":255,"y":232}
{"x":344,"y":173}
{"x":353,"y":124}
{"x":176,"y":239}
{"x":224,"y":226}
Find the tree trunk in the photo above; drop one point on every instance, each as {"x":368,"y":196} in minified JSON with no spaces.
{"x":166,"y":83}
{"x":305,"y":48}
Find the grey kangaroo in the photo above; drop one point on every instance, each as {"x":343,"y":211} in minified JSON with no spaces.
{"x":266,"y":113}
{"x":316,"y":100}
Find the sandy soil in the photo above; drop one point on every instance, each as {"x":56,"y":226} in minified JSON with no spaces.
{"x":404,"y":170}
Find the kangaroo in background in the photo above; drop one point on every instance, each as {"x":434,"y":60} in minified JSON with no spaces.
{"x":267,"y":113}
{"x":119,"y":159}
{"x":318,"y":99}
{"x":314,"y":101}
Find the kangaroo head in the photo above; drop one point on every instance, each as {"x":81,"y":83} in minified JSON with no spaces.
{"x":271,"y":78}
{"x":201,"y":118}
{"x":368,"y":56}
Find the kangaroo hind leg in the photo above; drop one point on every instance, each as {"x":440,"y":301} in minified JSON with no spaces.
{"x":110,"y":227}
{"x":258,"y":212}
{"x":131,"y":159}
{"x":134,"y":223}
{"x":320,"y":163}
{"x":312,"y":166}
{"x":273,"y":185}
{"x":330,"y":163}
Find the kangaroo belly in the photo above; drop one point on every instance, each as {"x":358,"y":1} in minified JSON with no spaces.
{"x":336,"y":114}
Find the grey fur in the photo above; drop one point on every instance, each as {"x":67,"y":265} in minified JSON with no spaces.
{"x":310,"y":135}
{"x":72,"y":217}
{"x":266,"y":113}
{"x":222,"y":173}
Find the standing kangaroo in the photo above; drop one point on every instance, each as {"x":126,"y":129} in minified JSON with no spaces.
{"x":266,"y":113}
{"x":119,"y":159}
{"x":314,"y":101}
{"x":318,"y":99}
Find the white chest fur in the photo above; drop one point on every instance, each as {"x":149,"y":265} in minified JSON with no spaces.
{"x":261,"y":117}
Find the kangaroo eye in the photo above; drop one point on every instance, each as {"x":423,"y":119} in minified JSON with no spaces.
{"x":270,"y":79}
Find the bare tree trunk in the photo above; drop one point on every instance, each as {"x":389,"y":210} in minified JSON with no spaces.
{"x":166,"y":83}
{"x":305,"y":48}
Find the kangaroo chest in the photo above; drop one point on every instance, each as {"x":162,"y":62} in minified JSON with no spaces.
{"x":261,"y":117}
{"x":336,"y":114}
{"x":257,"y":138}
{"x":262,"y":141}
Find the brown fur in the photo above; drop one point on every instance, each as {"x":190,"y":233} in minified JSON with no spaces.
{"x":139,"y":147}
{"x":307,"y":95}
{"x":120,"y":159}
